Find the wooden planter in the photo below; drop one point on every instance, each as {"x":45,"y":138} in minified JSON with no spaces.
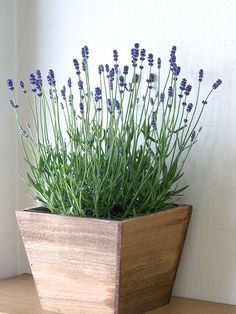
{"x":91,"y":266}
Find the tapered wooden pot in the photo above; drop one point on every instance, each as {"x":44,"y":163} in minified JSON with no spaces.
{"x":91,"y":266}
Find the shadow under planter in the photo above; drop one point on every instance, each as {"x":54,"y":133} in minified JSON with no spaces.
{"x":90,"y":266}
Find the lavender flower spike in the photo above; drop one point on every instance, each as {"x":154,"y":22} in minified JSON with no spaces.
{"x":200,"y":75}
{"x":217,"y":84}
{"x":10,"y":84}
{"x":22,"y":86}
{"x":98,"y":94}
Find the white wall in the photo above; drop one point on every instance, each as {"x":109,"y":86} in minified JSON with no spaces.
{"x":51,"y":34}
{"x":8,"y":262}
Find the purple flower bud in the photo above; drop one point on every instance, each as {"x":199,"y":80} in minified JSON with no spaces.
{"x":136,"y":45}
{"x":162,"y":97}
{"x":50,"y":78}
{"x":10,"y":84}
{"x":122,"y":81}
{"x":69,"y":82}
{"x":109,"y":106}
{"x":142,"y":54}
{"x":193,"y":135}
{"x":159,"y":63}
{"x":170,"y":91}
{"x":150,"y":80}
{"x":184,"y":103}
{"x":151,"y":101}
{"x":116,"y":66}
{"x":217,"y":84}
{"x":98,"y":94}
{"x":115,"y":55}
{"x":12,"y":104}
{"x":183,"y":84}
{"x":85,"y":52}
{"x":150,"y":59}
{"x":189,"y":107}
{"x":126,"y":70}
{"x":153,"y":121}
{"x":32,"y":79}
{"x":39,"y":78}
{"x":76,"y":65}
{"x":185,"y":120}
{"x":107,"y":67}
{"x":81,"y":108}
{"x":22,"y":86}
{"x":63,"y":92}
{"x":100,"y":69}
{"x":80,"y":84}
{"x":188,"y":90}
{"x":84,"y":63}
{"x":117,"y":105}
{"x":200,"y":77}
{"x":204,"y":102}
{"x":134,"y":54}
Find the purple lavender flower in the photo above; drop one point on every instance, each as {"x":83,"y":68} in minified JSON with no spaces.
{"x":109,"y":106}
{"x":173,"y":56}
{"x":126,"y":70}
{"x":116,"y":67}
{"x":39,"y":77}
{"x":150,"y":59}
{"x":159,"y":63}
{"x":107,"y":67}
{"x":142,"y":54}
{"x":63,"y":92}
{"x":84,"y":63}
{"x":150,"y":80}
{"x":188,"y":90}
{"x":22,"y":86}
{"x":162,"y":97}
{"x":100,"y":69}
{"x":98,"y":94}
{"x":136,"y":78}
{"x":76,"y":65}
{"x":12,"y":104}
{"x":193,"y":135}
{"x":122,"y":81}
{"x":81,"y":108}
{"x":151,"y":101}
{"x":117,"y":104}
{"x":51,"y":78}
{"x":204,"y":102}
{"x":99,"y":109}
{"x":153,"y":121}
{"x":32,"y":79}
{"x":200,"y":77}
{"x":136,"y":45}
{"x":115,"y":55}
{"x":189,"y":107}
{"x":85,"y":52}
{"x":184,"y":103}
{"x":185,"y":120}
{"x":183,"y":84}
{"x":217,"y":84}
{"x":170,"y":91}
{"x":80,"y":84}
{"x":10,"y":84}
{"x":135,"y":55}
{"x":69,"y":82}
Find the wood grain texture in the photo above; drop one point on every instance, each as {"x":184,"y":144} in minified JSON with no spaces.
{"x":151,"y":247}
{"x":18,"y":295}
{"x":73,"y":261}
{"x":91,"y":266}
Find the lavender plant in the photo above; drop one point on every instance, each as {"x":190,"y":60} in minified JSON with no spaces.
{"x":117,"y":151}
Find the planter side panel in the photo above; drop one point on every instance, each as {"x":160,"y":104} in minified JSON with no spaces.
{"x":73,"y":261}
{"x":151,"y":247}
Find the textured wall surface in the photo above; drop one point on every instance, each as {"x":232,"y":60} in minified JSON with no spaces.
{"x":8,"y":261}
{"x":51,"y":33}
